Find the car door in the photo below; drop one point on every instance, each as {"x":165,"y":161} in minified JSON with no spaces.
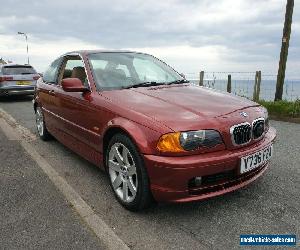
{"x":46,"y":93}
{"x":76,"y":109}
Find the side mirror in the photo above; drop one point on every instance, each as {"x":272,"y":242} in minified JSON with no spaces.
{"x":73,"y":85}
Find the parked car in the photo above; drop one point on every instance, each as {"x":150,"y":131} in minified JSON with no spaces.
{"x":16,"y":79}
{"x":157,"y":136}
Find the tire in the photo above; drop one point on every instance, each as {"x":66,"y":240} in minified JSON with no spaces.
{"x":127,"y":174}
{"x":41,"y":126}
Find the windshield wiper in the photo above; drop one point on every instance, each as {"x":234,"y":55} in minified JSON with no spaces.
{"x":178,"y":81}
{"x":142,"y":84}
{"x":153,"y":83}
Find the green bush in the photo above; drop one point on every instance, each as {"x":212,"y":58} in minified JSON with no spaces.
{"x":282,"y":108}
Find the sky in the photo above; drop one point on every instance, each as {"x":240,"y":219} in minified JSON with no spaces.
{"x":190,"y":35}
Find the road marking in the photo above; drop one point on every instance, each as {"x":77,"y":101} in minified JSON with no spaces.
{"x":105,"y":234}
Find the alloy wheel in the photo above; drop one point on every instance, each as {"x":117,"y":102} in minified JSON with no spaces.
{"x":122,"y":172}
{"x":39,"y":121}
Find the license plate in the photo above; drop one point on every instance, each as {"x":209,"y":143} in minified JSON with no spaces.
{"x":23,"y":83}
{"x":255,"y":160}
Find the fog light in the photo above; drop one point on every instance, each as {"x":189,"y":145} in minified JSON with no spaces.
{"x":198,"y":181}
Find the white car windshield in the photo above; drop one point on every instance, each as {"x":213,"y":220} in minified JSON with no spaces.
{"x":115,"y":70}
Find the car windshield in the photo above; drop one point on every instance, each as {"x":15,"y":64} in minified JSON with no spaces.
{"x":18,"y":70}
{"x":116,"y":70}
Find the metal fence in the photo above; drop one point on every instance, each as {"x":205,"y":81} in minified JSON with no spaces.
{"x":242,"y":84}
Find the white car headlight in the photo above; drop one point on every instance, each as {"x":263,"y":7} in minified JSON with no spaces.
{"x":192,"y":140}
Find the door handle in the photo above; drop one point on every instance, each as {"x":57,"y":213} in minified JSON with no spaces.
{"x":51,"y":92}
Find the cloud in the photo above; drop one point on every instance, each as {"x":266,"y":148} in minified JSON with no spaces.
{"x":41,"y":52}
{"x":194,"y":34}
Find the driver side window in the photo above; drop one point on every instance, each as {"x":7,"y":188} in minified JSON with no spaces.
{"x":74,"y":68}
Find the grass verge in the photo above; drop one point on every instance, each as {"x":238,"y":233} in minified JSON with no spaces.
{"x":283,"y":110}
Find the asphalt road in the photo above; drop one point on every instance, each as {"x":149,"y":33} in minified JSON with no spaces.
{"x":268,"y":206}
{"x":33,"y":213}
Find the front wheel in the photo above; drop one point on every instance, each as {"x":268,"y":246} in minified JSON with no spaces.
{"x":127,"y":174}
{"x":40,"y":125}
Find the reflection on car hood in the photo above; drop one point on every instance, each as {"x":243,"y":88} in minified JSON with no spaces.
{"x":180,"y":104}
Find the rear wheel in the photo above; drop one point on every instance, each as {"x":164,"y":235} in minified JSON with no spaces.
{"x":40,"y":125}
{"x":127,"y":174}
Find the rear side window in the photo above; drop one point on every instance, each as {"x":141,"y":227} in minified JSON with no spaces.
{"x":18,"y":70}
{"x":50,"y":75}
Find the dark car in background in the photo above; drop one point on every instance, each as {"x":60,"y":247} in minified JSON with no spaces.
{"x":16,"y":79}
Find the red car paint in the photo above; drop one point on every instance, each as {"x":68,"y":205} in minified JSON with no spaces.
{"x":82,"y":121}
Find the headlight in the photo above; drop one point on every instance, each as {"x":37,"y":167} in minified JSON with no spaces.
{"x":187,"y":141}
{"x":202,"y":138}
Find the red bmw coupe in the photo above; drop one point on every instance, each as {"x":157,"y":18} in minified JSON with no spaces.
{"x":157,"y":136}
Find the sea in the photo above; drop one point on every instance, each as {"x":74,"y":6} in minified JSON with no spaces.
{"x":291,"y":88}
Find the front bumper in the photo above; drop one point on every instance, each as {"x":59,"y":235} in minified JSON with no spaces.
{"x":170,"y":176}
{"x":28,"y":90}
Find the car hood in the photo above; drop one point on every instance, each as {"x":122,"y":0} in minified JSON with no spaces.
{"x":179,"y":106}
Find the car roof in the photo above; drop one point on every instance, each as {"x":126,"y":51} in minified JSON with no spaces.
{"x":86,"y":52}
{"x":14,"y":64}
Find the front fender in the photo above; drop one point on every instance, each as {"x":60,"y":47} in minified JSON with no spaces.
{"x":143,"y":137}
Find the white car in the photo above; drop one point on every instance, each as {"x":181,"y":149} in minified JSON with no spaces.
{"x":17,"y":79}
